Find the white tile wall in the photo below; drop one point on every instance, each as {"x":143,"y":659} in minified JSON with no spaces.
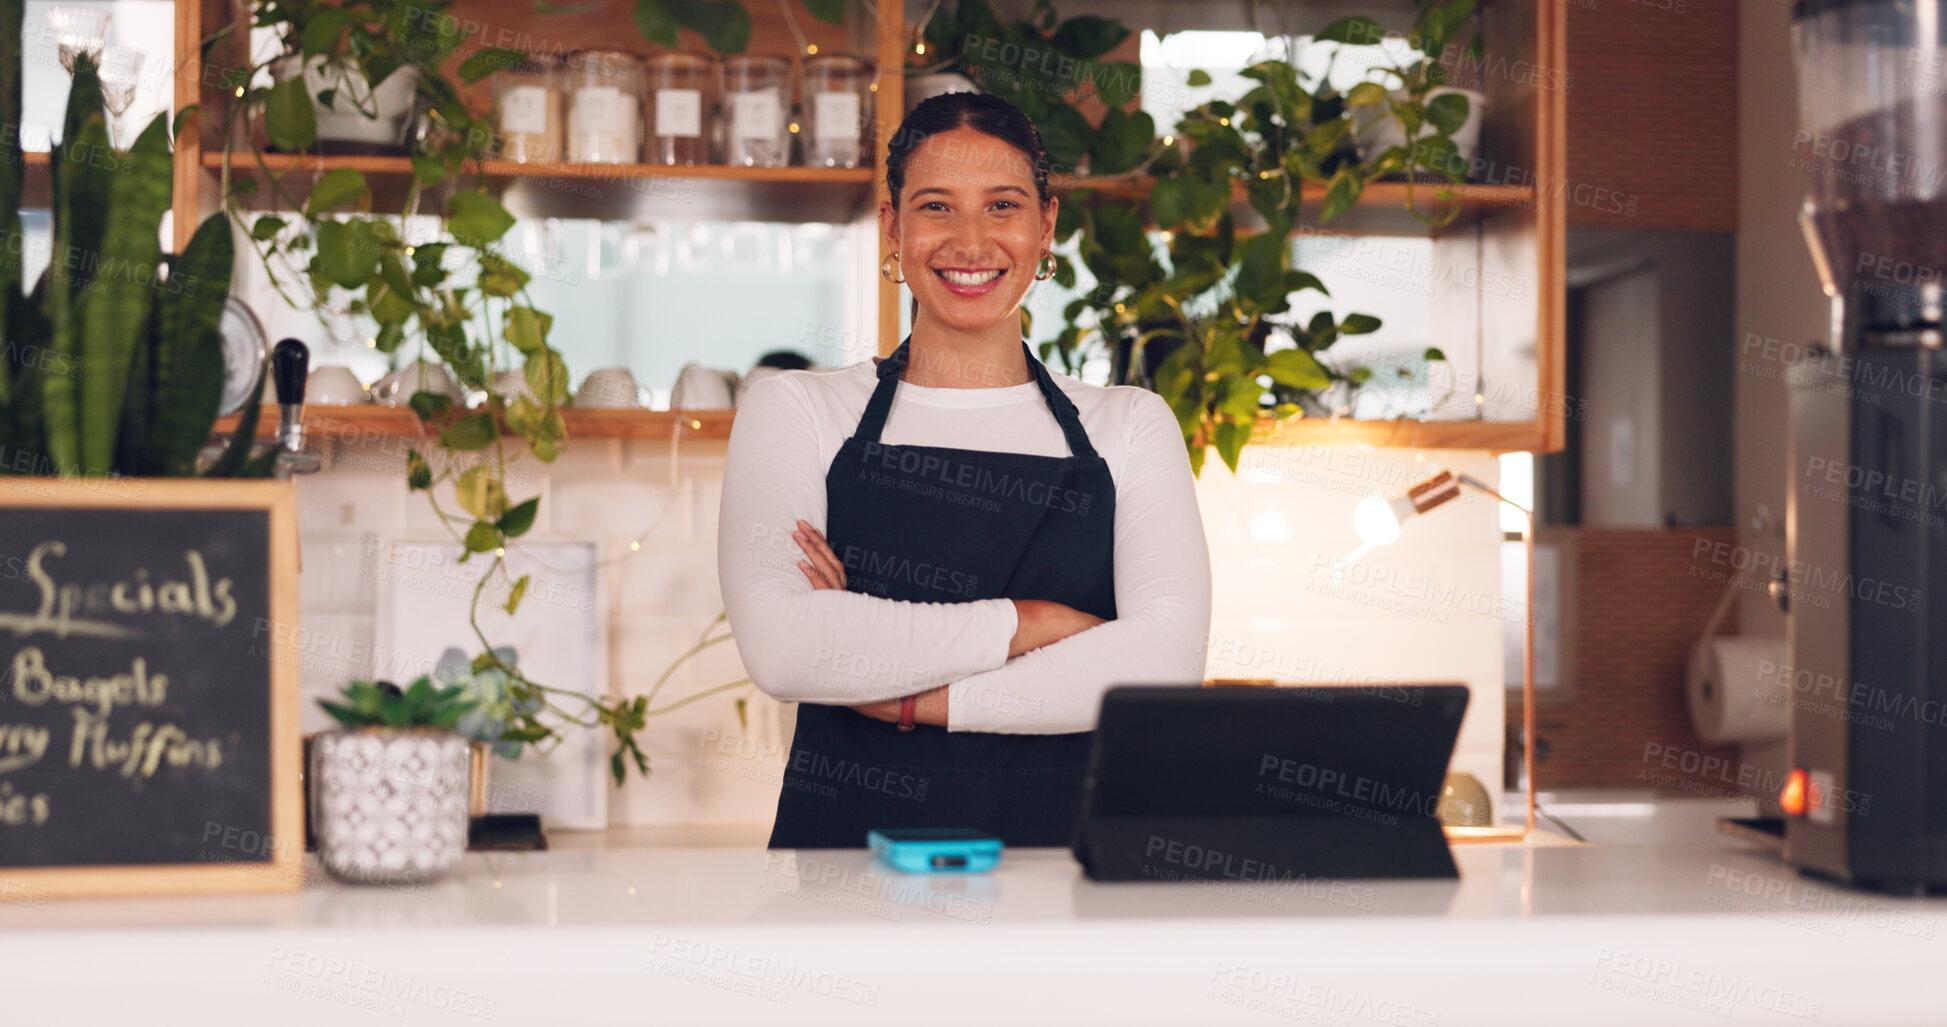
{"x":1426,"y":608}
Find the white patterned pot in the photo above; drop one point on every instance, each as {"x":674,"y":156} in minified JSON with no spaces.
{"x":389,"y":805}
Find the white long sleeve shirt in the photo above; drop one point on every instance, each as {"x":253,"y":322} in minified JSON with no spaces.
{"x":832,"y":646}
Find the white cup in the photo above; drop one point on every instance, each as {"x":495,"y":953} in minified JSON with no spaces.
{"x":609,"y":387}
{"x":396,"y":389}
{"x":333,"y":385}
{"x":703,"y":388}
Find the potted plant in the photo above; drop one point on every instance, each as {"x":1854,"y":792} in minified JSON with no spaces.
{"x":356,"y":67}
{"x":114,"y":365}
{"x":494,"y":709}
{"x":389,"y":787}
{"x":971,"y":45}
{"x":1408,"y":122}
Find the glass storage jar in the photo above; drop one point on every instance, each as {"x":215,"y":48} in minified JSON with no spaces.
{"x":756,"y":111}
{"x":682,"y":108}
{"x":604,"y":99}
{"x":838,"y":110}
{"x":527,"y":110}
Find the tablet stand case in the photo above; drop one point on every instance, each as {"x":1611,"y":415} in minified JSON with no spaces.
{"x":1210,"y":810}
{"x":1266,"y":848}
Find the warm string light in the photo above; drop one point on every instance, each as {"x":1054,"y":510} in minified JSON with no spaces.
{"x":919,"y":29}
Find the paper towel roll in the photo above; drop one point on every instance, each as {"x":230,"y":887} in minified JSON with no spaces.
{"x":1736,"y":688}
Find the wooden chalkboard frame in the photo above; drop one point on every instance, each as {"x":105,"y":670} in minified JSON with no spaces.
{"x":283,"y":870}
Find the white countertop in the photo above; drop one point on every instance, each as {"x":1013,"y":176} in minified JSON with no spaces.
{"x":677,"y":927}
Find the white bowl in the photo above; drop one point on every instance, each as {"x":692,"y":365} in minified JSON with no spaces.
{"x":703,"y":388}
{"x":334,"y":385}
{"x":396,"y":389}
{"x":609,"y":388}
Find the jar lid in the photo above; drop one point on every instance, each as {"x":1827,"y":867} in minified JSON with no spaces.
{"x":682,"y":60}
{"x":755,"y":60}
{"x":607,"y":62}
{"x":533,"y":64}
{"x":840,"y":62}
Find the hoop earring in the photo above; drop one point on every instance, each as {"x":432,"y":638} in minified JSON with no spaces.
{"x":1046,"y":268}
{"x":886,"y":269}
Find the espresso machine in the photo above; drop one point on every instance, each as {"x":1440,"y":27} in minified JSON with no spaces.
{"x":1865,"y":588}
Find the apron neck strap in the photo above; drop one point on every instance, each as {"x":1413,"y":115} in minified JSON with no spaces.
{"x":873,"y":422}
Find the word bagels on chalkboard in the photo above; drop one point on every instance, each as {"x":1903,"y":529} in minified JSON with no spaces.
{"x":148,"y":702}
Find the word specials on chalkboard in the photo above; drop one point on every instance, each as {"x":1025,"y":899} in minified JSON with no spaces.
{"x":146,"y":705}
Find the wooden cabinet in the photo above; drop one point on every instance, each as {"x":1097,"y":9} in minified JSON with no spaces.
{"x":1512,"y":227}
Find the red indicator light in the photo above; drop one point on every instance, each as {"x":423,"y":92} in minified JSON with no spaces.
{"x":1791,"y":798}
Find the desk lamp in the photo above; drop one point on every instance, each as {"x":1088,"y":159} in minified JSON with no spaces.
{"x":1377,"y":519}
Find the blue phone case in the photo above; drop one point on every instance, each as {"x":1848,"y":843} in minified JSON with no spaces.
{"x":937,"y":855}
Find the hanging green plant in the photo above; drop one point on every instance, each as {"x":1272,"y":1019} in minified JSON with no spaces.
{"x":724,"y":25}
{"x":1204,"y":318}
{"x":457,"y":300}
{"x":1048,"y":67}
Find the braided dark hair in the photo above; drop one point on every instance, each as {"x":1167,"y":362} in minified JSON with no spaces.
{"x":982,"y":112}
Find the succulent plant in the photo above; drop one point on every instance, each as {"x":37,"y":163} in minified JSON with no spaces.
{"x":491,"y":689}
{"x":113,"y":364}
{"x":382,"y":704}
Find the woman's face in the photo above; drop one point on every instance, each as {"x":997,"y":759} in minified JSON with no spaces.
{"x":970,"y":229}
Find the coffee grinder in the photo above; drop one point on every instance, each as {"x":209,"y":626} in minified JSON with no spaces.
{"x":1865,"y":590}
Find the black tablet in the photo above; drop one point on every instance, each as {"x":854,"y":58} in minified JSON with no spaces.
{"x":1187,"y":782}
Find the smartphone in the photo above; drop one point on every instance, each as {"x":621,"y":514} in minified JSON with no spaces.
{"x":935,"y":850}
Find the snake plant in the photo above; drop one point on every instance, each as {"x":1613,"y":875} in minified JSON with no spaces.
{"x":113,"y":362}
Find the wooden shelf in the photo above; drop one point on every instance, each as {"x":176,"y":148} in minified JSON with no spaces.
{"x":36,"y":181}
{"x":507,"y":169}
{"x":561,"y":189}
{"x":609,"y":191}
{"x":1506,"y":232}
{"x":372,"y":421}
{"x":1495,"y":436}
{"x":1381,"y":210}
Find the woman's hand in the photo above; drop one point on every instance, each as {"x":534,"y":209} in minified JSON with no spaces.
{"x":1040,"y":622}
{"x":822,"y":567}
{"x":930,"y":709}
{"x":826,"y":572}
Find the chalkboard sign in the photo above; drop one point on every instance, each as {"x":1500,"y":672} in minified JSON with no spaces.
{"x":148,"y":692}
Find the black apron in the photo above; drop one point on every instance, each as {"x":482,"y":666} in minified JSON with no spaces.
{"x":932,"y":524}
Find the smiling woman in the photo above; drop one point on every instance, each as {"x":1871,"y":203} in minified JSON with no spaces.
{"x":948,"y":557}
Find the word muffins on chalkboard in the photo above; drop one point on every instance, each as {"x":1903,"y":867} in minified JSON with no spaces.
{"x":148,"y":723}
